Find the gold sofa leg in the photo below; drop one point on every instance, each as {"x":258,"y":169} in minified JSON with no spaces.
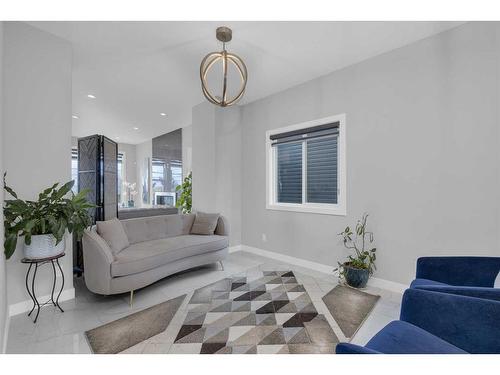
{"x":131,"y":298}
{"x":221,"y":265}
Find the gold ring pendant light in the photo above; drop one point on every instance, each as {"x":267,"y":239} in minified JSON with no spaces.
{"x":223,"y":34}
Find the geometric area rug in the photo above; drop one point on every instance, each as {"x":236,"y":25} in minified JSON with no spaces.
{"x":269,"y":314}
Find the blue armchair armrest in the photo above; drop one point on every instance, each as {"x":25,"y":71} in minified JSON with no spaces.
{"x":463,"y":271}
{"x":471,"y":324}
{"x":470,"y":291}
{"x":346,"y":348}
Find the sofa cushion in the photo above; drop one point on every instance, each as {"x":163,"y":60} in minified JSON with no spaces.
{"x":113,"y":233}
{"x":147,"y":255}
{"x":156,"y":227}
{"x":399,"y":337}
{"x":423,"y":282}
{"x":135,"y":229}
{"x":205,"y":223}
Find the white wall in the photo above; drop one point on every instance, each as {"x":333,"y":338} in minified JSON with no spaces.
{"x":37,"y":131}
{"x":204,"y":182}
{"x":422,"y":154}
{"x":143,"y":151}
{"x":228,"y":169}
{"x":216,"y":137}
{"x":3,"y":276}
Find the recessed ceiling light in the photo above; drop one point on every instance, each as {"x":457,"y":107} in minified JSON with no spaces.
{"x":91,"y":96}
{"x":136,"y":128}
{"x":163,"y":114}
{"x":75,"y":117}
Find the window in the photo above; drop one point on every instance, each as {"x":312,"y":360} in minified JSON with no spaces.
{"x":74,"y":169}
{"x":158,"y":169}
{"x":176,"y":168}
{"x":306,"y":167}
{"x":121,"y":178}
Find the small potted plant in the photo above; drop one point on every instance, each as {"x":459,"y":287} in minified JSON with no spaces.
{"x":43,"y":223}
{"x":359,"y":266}
{"x":131,"y":192}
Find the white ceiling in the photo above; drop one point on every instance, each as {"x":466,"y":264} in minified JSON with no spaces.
{"x":137,"y":70}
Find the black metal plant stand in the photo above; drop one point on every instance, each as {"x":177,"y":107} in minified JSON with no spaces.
{"x":36,"y":263}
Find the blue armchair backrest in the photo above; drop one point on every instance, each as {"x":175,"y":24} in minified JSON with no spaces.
{"x":472,"y":324}
{"x":462,"y":271}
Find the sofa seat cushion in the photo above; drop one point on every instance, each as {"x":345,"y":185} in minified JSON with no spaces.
{"x":399,"y":337}
{"x":424,"y":282}
{"x":144,"y":256}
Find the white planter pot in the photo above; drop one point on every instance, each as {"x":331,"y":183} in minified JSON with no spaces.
{"x":43,"y":246}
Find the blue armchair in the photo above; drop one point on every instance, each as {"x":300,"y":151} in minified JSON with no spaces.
{"x":468,"y":276}
{"x":437,"y":323}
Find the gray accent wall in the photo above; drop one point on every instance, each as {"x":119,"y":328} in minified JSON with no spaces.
{"x":422,"y":154}
{"x":37,"y":131}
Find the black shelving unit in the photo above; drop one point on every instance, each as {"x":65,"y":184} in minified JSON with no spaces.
{"x":98,"y":172}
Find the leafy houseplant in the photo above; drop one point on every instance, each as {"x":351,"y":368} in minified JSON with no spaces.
{"x":50,"y":216}
{"x":359,"y":266}
{"x":184,"y":201}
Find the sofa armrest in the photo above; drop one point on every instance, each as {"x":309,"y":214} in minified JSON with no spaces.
{"x":222,"y":228}
{"x":463,"y":271}
{"x":470,"y":291}
{"x":346,"y":348}
{"x":469,"y":323}
{"x":97,"y":259}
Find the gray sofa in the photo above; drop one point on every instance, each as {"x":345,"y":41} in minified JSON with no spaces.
{"x":159,"y":246}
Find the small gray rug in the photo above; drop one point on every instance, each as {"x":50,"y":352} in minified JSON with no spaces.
{"x":123,"y":333}
{"x":349,"y":307}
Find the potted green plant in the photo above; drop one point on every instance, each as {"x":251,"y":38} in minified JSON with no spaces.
{"x":43,"y":223}
{"x":184,"y":202}
{"x":359,"y":266}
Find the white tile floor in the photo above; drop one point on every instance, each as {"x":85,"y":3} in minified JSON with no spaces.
{"x":57,"y":332}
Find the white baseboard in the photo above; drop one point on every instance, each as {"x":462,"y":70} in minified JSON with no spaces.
{"x":288,"y":259}
{"x":374,"y":281}
{"x":387,"y":285}
{"x":234,"y":248}
{"x":25,"y":306}
{"x":5,"y":333}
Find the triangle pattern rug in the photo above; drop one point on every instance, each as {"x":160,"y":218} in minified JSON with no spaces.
{"x":270,"y":314}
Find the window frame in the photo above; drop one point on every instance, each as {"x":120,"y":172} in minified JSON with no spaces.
{"x":74,"y":157}
{"x":340,"y":208}
{"x":121,"y":158}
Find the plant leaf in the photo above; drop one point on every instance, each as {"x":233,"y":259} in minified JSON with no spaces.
{"x":10,"y":244}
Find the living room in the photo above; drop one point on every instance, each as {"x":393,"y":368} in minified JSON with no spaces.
{"x":250,"y":187}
